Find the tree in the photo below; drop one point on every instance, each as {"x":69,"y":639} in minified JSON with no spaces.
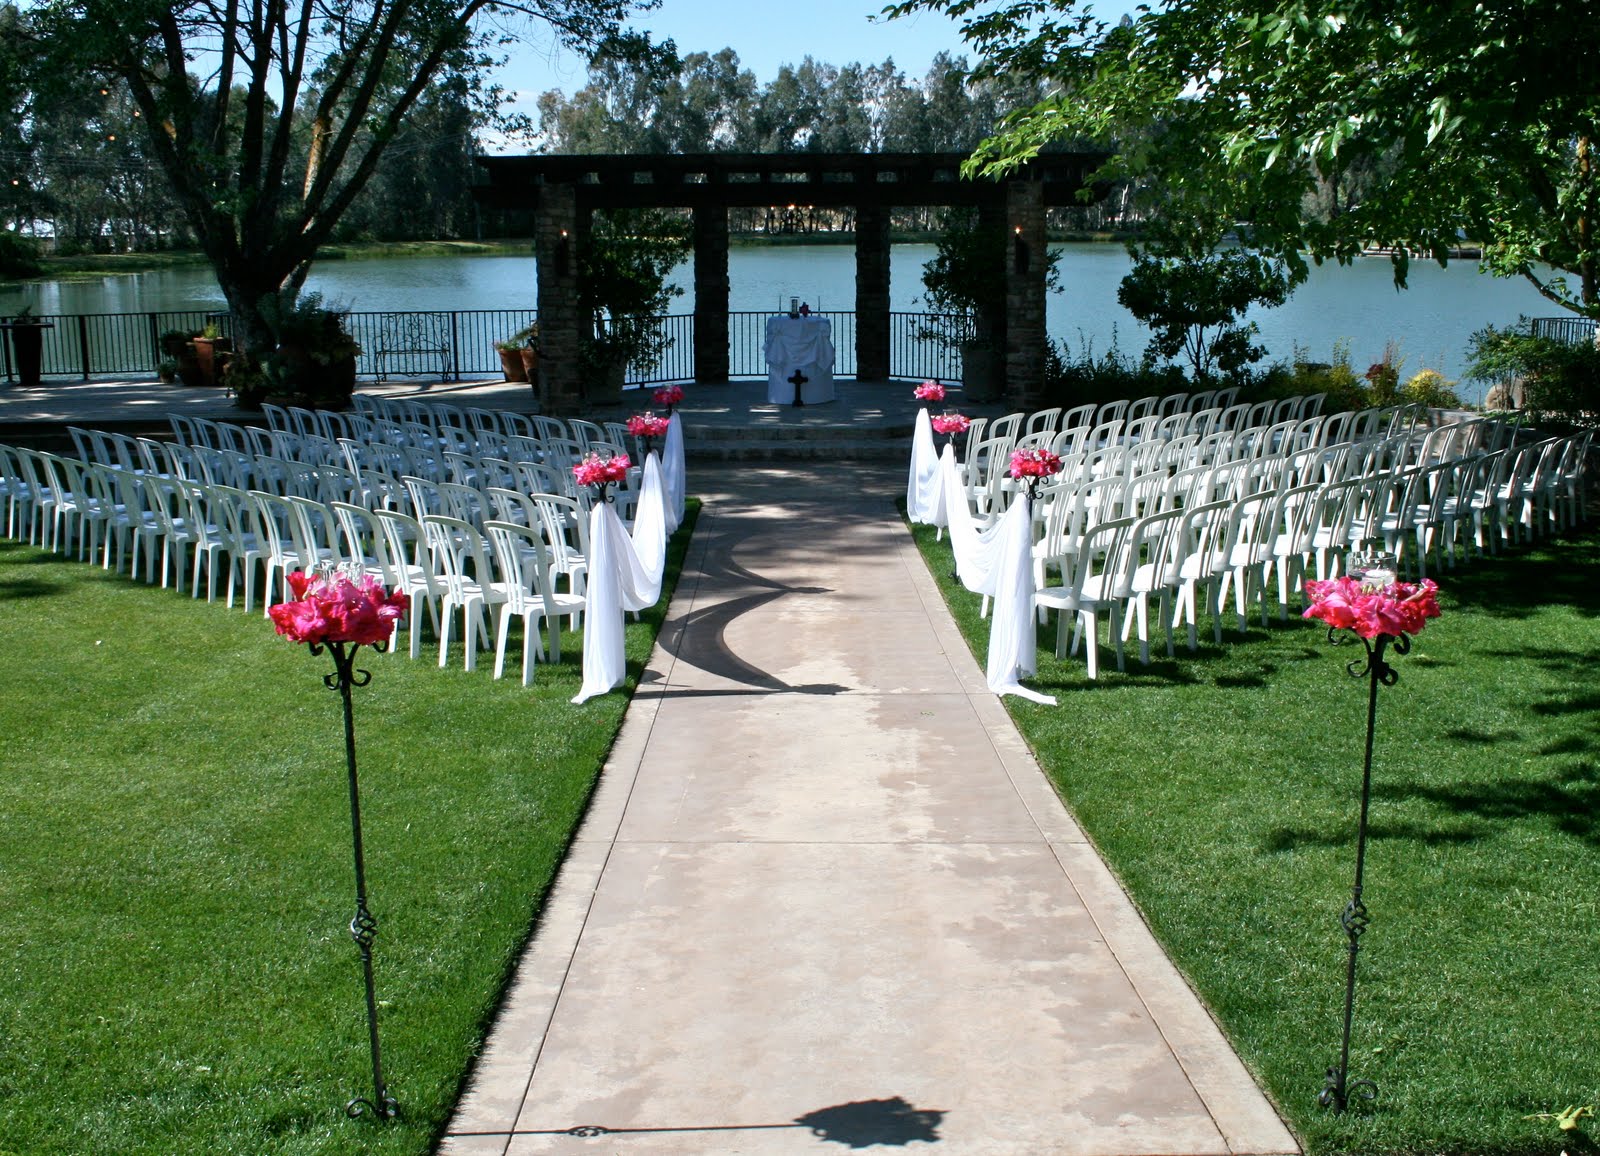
{"x":268,"y":119}
{"x":1480,"y":117}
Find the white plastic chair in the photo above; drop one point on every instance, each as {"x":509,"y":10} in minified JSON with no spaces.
{"x":524,"y":561}
{"x":469,"y":581}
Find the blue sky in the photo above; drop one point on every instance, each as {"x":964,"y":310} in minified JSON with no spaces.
{"x":770,"y":33}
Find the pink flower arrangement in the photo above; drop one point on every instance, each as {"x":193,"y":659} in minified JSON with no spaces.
{"x":668,"y":395}
{"x":1035,"y":463}
{"x":648,"y":425}
{"x":929,"y":391}
{"x":1396,"y":609}
{"x":595,"y":470}
{"x":950,"y":423}
{"x":333,"y":608}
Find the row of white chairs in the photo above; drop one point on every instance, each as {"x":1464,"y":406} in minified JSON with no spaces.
{"x":1117,"y":541}
{"x":513,"y":560}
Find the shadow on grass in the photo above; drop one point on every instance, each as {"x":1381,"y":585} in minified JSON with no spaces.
{"x":1568,"y":800}
{"x":28,"y":588}
{"x":1284,"y":839}
{"x":1527,"y":579}
{"x":1480,"y":737}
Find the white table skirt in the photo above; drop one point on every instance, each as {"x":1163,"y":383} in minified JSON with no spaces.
{"x":803,"y":344}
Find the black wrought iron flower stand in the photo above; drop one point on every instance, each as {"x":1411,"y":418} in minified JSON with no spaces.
{"x":1338,"y":1088}
{"x":363,"y":927}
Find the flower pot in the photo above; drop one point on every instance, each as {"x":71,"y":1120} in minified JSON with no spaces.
{"x":205,"y":354}
{"x":605,"y":386}
{"x":530,"y":364}
{"x":511,"y":365}
{"x":27,"y":348}
{"x":982,"y":371}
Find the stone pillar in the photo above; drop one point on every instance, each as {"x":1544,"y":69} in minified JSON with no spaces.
{"x":710,"y":294}
{"x":872,"y":293}
{"x":991,"y":319}
{"x":1026,"y":263}
{"x":556,"y":240}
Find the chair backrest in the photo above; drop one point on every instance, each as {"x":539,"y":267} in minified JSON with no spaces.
{"x":1103,"y":562}
{"x":525,"y":565}
{"x":460,"y":555}
{"x":1042,"y":421}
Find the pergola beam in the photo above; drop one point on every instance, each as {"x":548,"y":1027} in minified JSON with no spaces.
{"x":563,"y":191}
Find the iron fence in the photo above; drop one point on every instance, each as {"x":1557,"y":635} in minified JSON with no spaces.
{"x":454,"y":343}
{"x":1571,"y":330}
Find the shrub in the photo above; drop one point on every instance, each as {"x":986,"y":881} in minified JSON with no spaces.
{"x":19,"y":256}
{"x":1431,"y":388}
{"x":1559,"y":380}
{"x":1078,"y":378}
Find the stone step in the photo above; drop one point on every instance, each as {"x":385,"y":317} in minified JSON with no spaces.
{"x":797,"y":449}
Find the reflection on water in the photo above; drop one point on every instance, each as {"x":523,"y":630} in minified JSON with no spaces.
{"x":1431,"y":321}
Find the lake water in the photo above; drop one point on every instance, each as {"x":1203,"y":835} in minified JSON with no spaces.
{"x":1430,"y":321}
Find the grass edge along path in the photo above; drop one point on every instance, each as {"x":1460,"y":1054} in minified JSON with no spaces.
{"x":176,"y":876}
{"x":1222,"y":789}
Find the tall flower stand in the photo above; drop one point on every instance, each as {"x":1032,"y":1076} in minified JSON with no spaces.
{"x":1383,"y":614}
{"x":339,"y":610}
{"x":363,"y":927}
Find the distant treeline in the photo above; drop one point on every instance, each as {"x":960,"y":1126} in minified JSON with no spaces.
{"x":93,"y":187}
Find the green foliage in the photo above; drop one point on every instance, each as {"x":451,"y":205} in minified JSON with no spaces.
{"x":1558,"y":379}
{"x":1193,"y":301}
{"x":525,"y":338}
{"x":1328,"y":126}
{"x":622,"y":285}
{"x":1431,"y":388}
{"x":263,"y":187}
{"x":1082,"y":376}
{"x":966,"y":278}
{"x":1223,"y":791}
{"x":19,"y":256}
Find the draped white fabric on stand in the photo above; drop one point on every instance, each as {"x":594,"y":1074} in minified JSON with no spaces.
{"x":674,"y":479}
{"x":925,"y":497}
{"x":1012,"y":644}
{"x":624,"y":574}
{"x":998,"y":562}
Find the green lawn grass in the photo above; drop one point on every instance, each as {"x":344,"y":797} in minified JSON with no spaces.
{"x":1223,"y":788}
{"x":175,"y":871}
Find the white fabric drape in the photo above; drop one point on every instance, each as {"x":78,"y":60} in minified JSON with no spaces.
{"x":625,"y":573}
{"x":674,"y":479}
{"x":925,"y":497}
{"x":997,"y":561}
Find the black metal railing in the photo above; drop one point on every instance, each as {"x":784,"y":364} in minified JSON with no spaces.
{"x":456,"y":343}
{"x":1570,"y":330}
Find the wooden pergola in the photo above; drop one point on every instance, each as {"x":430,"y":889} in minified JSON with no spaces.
{"x":564,"y":191}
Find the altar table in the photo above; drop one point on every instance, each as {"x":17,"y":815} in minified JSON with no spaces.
{"x":804,"y":344}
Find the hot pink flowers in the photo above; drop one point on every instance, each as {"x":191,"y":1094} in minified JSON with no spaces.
{"x":929,"y":391}
{"x":595,"y":470}
{"x":1035,"y":463}
{"x":950,"y":423}
{"x":668,"y":395}
{"x":648,"y":425}
{"x":1345,"y":604}
{"x":333,"y":608}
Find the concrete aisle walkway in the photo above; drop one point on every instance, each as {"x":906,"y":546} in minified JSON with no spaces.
{"x":825,"y":900}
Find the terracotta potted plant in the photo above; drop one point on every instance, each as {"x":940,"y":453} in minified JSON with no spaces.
{"x":207,"y":346}
{"x":510,"y":352}
{"x":622,"y":291}
{"x":314,"y":361}
{"x":177,"y":346}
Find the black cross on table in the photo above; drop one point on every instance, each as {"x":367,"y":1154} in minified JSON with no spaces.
{"x":797,"y":381}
